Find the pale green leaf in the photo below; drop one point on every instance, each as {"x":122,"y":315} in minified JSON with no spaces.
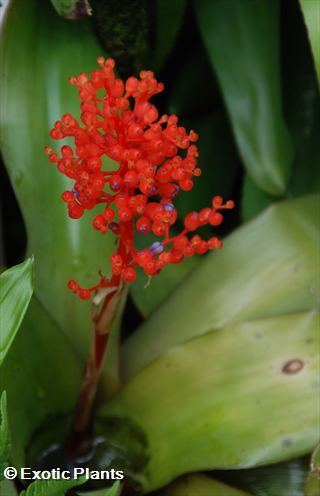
{"x":200,"y":485}
{"x":16,"y":286}
{"x":311,"y":12}
{"x":268,"y":267}
{"x":52,"y":487}
{"x":240,"y":396}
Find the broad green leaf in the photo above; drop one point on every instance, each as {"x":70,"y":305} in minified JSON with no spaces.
{"x":169,"y":17}
{"x":242,"y":39}
{"x":52,"y":487}
{"x":16,"y":287}
{"x":267,"y":267}
{"x":285,"y":479}
{"x":41,"y":375}
{"x":5,"y":440}
{"x":236,"y":397}
{"x":34,"y":94}
{"x":200,"y":485}
{"x":311,"y":12}
{"x":254,"y":200}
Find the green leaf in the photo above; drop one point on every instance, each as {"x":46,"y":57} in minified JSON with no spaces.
{"x":52,"y":487}
{"x":200,"y":485}
{"x":266,"y":268}
{"x":72,"y":9}
{"x":242,"y":39}
{"x":112,"y":491}
{"x":254,"y":200}
{"x":236,"y":397}
{"x":35,"y":93}
{"x":16,"y":287}
{"x":313,"y":480}
{"x":311,"y":12}
{"x":287,"y":479}
{"x":7,"y":488}
{"x":169,"y":17}
{"x":5,"y":439}
{"x":41,"y":375}
{"x":301,"y":104}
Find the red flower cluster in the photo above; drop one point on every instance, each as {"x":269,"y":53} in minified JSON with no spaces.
{"x":123,"y":125}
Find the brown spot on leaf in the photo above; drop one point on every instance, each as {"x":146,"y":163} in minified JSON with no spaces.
{"x":293,"y":366}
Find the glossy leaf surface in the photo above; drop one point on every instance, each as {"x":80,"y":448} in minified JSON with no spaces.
{"x":311,"y":12}
{"x":242,"y":39}
{"x":16,"y":287}
{"x":41,"y":375}
{"x":266,"y":268}
{"x":240,"y":396}
{"x":39,"y":51}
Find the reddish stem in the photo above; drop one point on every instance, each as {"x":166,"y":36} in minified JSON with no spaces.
{"x":102,"y":323}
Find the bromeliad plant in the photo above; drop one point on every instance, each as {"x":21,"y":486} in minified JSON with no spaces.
{"x":222,"y":374}
{"x":156,"y":159}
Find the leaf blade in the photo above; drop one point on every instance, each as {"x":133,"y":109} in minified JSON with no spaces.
{"x":16,"y":289}
{"x":242,"y":39}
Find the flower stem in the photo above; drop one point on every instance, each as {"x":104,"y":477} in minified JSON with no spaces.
{"x":102,"y":320}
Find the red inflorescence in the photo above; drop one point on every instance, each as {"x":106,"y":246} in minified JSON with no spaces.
{"x":124,"y":126}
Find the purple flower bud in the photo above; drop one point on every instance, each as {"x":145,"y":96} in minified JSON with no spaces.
{"x":169,"y":207}
{"x":156,"y":248}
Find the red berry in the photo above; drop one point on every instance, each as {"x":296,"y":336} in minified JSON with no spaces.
{"x":158,"y":228}
{"x":131,"y":179}
{"x":73,"y":285}
{"x":215,"y":218}
{"x":67,"y":196}
{"x":99,"y":222}
{"x":75,"y":210}
{"x":201,"y":247}
{"x":125,"y":214}
{"x":217,"y":201}
{"x":143,"y":225}
{"x":84,"y":294}
{"x":108,"y":214}
{"x":204,"y":215}
{"x":214,"y":243}
{"x":129,"y":274}
{"x":230,"y":204}
{"x":186,"y":184}
{"x":191,"y":222}
{"x":116,"y":182}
